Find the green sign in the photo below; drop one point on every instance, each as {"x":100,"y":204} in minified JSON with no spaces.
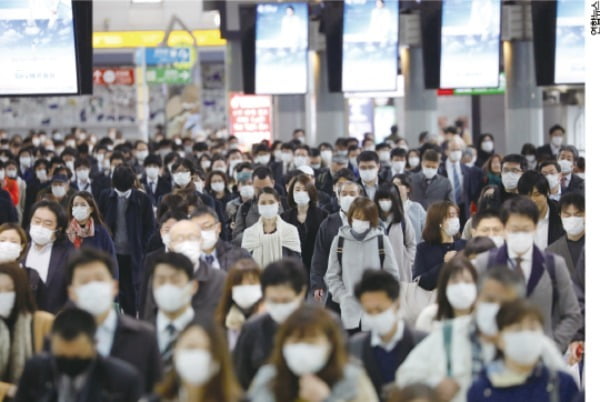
{"x":168,"y":75}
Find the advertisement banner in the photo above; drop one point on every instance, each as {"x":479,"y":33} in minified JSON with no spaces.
{"x":114,"y":76}
{"x":250,"y":118}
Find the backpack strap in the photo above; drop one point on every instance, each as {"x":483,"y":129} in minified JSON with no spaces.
{"x":245,"y":209}
{"x":381,"y":250}
{"x":340,"y":250}
{"x":551,"y":268}
{"x":447,"y":333}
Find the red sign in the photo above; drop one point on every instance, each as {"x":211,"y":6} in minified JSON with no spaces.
{"x":114,"y":76}
{"x":250,"y":118}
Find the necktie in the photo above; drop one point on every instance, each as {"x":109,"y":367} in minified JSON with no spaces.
{"x":168,"y":352}
{"x":457,"y":187}
{"x":563,"y":182}
{"x":151,"y":186}
{"x":209,"y":260}
{"x":519,"y":268}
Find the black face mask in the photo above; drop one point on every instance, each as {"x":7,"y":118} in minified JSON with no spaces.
{"x":72,"y":366}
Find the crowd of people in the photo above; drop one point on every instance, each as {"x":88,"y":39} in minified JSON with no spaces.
{"x":174,"y":270}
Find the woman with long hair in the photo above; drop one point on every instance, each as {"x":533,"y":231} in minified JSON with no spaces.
{"x":492,"y":170}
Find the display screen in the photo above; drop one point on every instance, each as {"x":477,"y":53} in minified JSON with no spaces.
{"x":470,"y":54}
{"x":37,"y":44}
{"x":569,"y":67}
{"x":281,"y":48}
{"x":370,"y":51}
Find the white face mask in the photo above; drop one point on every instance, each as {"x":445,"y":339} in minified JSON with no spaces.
{"x":327,"y":155}
{"x":566,"y":166}
{"x":182,"y":178}
{"x":59,"y":191}
{"x":94,"y":297}
{"x":286,"y":157}
{"x":263,"y":159}
{"x":166,"y":239}
{"x":398,"y":166}
{"x":80,"y":213}
{"x":301,"y":197}
{"x":553,"y":180}
{"x":7,"y":302}
{"x":300,"y":161}
{"x":510,"y":180}
{"x":218,"y":186}
{"x":25,"y":161}
{"x":461,"y":295}
{"x":452,"y":226}
{"x":191,"y":249}
{"x":209,"y":239}
{"x":455,"y":156}
{"x":195,"y":366}
{"x":41,"y":175}
{"x":573,"y":225}
{"x":557,"y":140}
{"x":498,"y":240}
{"x":530,"y":158}
{"x":414,"y":161}
{"x":385,"y":205}
{"x":9,"y":251}
{"x":382,"y":323}
{"x":368,"y":175}
{"x":277,"y":155}
{"x":353,"y":161}
{"x":141,"y":155}
{"x":247,"y":191}
{"x":40,"y":235}
{"x":268,"y":211}
{"x":11,"y":173}
{"x":152,"y":172}
{"x":519,"y":242}
{"x":199,"y":185}
{"x":279,"y":312}
{"x":83,"y":174}
{"x":485,"y":317}
{"x":306,"y":358}
{"x":384,"y":156}
{"x":524,"y":347}
{"x":487,"y":146}
{"x":429,"y":172}
{"x":346,"y":201}
{"x":171,"y":298}
{"x":205,"y":165}
{"x":246,"y":296}
{"x":360,"y":226}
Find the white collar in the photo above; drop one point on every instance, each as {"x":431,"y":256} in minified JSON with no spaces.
{"x":110,"y":322}
{"x":162,"y":321}
{"x":377,"y":341}
{"x":43,"y":249}
{"x":528,"y":256}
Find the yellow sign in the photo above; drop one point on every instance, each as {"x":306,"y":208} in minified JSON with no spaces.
{"x":134,"y":39}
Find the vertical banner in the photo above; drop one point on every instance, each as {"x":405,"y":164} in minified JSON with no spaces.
{"x":250,"y":118}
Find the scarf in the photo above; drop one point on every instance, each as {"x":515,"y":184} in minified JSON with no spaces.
{"x":77,"y":233}
{"x":13,"y":355}
{"x":266,"y":248}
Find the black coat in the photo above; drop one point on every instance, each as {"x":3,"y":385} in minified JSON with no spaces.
{"x":97,"y":186}
{"x":471,"y":188}
{"x":555,"y":227}
{"x":163,"y":186}
{"x":430,"y":260}
{"x":328,"y":229}
{"x":110,"y":380}
{"x":576,"y":185}
{"x":8,"y":212}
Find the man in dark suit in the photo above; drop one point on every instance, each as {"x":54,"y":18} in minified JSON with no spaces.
{"x":92,"y":287}
{"x":428,"y":186}
{"x":83,"y":181}
{"x":368,"y":171}
{"x":570,"y":246}
{"x":74,"y":371}
{"x":325,"y":180}
{"x":550,"y":151}
{"x":570,"y":183}
{"x":512,"y":167}
{"x":155,"y":185}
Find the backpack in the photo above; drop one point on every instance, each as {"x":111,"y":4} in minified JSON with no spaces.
{"x":340,"y":250}
{"x":245,"y":209}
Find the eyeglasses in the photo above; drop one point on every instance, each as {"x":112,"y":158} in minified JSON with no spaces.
{"x":513,"y":170}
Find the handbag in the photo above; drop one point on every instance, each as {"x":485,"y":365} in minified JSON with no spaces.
{"x":413,"y":299}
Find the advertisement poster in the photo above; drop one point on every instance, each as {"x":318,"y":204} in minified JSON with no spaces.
{"x":281,"y":48}
{"x":570,"y":42}
{"x":370,"y":52}
{"x":250,"y":118}
{"x":470,"y":44}
{"x":360,"y":112}
{"x":37,"y":44}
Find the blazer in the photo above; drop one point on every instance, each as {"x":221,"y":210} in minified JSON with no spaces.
{"x":561,"y":247}
{"x":101,"y":241}
{"x":135,"y":342}
{"x":8,"y":212}
{"x":328,"y":229}
{"x":439,"y":189}
{"x":109,"y":380}
{"x":545,"y":153}
{"x":430,"y":260}
{"x":33,"y":188}
{"x":163,"y":186}
{"x":576,"y":185}
{"x":307,"y":230}
{"x":555,"y":227}
{"x":97,"y":185}
{"x":471,"y":187}
{"x":579,"y":286}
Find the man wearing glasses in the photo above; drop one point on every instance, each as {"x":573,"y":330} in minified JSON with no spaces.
{"x":513,"y":166}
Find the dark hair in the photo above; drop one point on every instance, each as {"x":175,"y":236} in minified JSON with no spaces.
{"x":483,"y":214}
{"x":72,"y":322}
{"x":377,"y":280}
{"x":513,"y":312}
{"x":436,"y":213}
{"x":308,"y":186}
{"x":205,"y":210}
{"x":528,"y":149}
{"x":89,"y":198}
{"x":519,"y":205}
{"x":271,"y":191}
{"x":490,"y":202}
{"x":382,"y":145}
{"x":478,"y":245}
{"x":548,"y":163}
{"x":24,"y":301}
{"x":59,"y":214}
{"x":367,"y":156}
{"x":556,"y":127}
{"x":287,"y":271}
{"x":235,"y":276}
{"x":571,"y":149}
{"x":369,"y":210}
{"x":531,"y":180}
{"x":209,"y":180}
{"x":153,"y":159}
{"x":123,"y":177}
{"x":343,"y":173}
{"x":86,"y":255}
{"x":390,"y":191}
{"x":513,"y":158}
{"x":450,"y":130}
{"x":449,"y":270}
{"x":401,"y":152}
{"x":185,"y":163}
{"x":85,"y":162}
{"x":431,"y":155}
{"x":575,"y":199}
{"x":262,"y":172}
{"x":177,"y":261}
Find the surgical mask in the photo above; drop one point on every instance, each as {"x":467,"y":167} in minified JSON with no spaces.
{"x":247,"y":191}
{"x":519,"y":242}
{"x":461,"y":295}
{"x":346,"y":201}
{"x":510,"y":180}
{"x":191,"y":249}
{"x":41,"y":175}
{"x":414,"y":161}
{"x":72,"y":366}
{"x":9,"y":251}
{"x":195,"y":366}
{"x":455,"y":156}
{"x":498,"y":240}
{"x":11,"y":173}
{"x":182,"y":179}
{"x":385,"y":205}
{"x":268,"y":211}
{"x":566,"y":166}
{"x":40,"y":235}
{"x":279,"y":312}
{"x":80,"y":213}
{"x":59,"y":191}
{"x":573,"y":225}
{"x":452,"y":226}
{"x":166,"y":239}
{"x":141,"y":155}
{"x":553,"y":180}
{"x":306,"y":358}
{"x":70,"y":165}
{"x":205,"y":165}
{"x":277,"y":155}
{"x":530,"y":158}
{"x":485,"y":317}
{"x":360,"y":226}
{"x":301,"y":197}
{"x":487,"y":146}
{"x":370,"y":148}
{"x":219,"y":169}
{"x":315,"y":166}
{"x":199,"y":185}
{"x":246,"y":296}
{"x":286,"y":157}
{"x":398,"y":166}
{"x":171,"y":298}
{"x":94,"y":297}
{"x":384,"y":156}
{"x":557,"y":140}
{"x":327,"y":155}
{"x":382,"y":323}
{"x":524,"y":347}
{"x":83,"y":174}
{"x":217,"y":187}
{"x":25,"y":161}
{"x":429,"y":172}
{"x":300,"y":161}
{"x":152,"y":172}
{"x":7,"y":302}
{"x":209,"y":239}
{"x":264,"y":159}
{"x":367,"y":175}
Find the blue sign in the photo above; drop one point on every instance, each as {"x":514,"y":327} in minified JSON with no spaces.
{"x":167,"y":55}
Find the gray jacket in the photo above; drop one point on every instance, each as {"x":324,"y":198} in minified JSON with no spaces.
{"x":417,"y":214}
{"x":439,"y":189}
{"x":561,"y":247}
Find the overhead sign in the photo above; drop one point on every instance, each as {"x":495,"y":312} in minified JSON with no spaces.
{"x":168,"y":55}
{"x":135,"y":39}
{"x":168,"y":75}
{"x":250,"y":118}
{"x":114,"y":76}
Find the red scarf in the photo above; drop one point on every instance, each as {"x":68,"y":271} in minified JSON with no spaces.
{"x":77,"y":233}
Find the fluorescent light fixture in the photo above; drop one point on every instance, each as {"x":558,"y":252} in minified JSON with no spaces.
{"x":146,"y":1}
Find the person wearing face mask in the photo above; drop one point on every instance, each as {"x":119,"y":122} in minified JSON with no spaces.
{"x":10,"y":186}
{"x":93,"y":288}
{"x":457,"y":291}
{"x":512,"y":167}
{"x":140,"y":153}
{"x":413,"y":210}
{"x":310,"y":363}
{"x":128,"y":214}
{"x":202,"y":369}
{"x":487,"y":223}
{"x":388,"y":341}
{"x":454,"y":354}
{"x":427,"y":185}
{"x":413,"y":161}
{"x":283,"y":285}
{"x":218,"y":189}
{"x":398,"y":162}
{"x":551,"y":150}
{"x":243,"y":191}
{"x":37,"y":183}
{"x":551,"y":170}
{"x":301,"y":156}
{"x":154,"y":184}
{"x":242,"y":298}
{"x":440,"y":244}
{"x":22,"y":327}
{"x":59,"y":190}
{"x":546,"y":274}
{"x":25,"y":159}
{"x":520,"y":373}
{"x":360,"y":245}
{"x":368,"y":168}
{"x":528,"y":151}
{"x":325,"y":180}
{"x":485,"y":149}
{"x":384,"y":153}
{"x":271,"y":238}
{"x":8,"y":210}
{"x":570,"y":246}
{"x":570,"y":182}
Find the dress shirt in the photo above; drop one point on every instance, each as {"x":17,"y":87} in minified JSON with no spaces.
{"x":84,"y":186}
{"x":541,"y":233}
{"x":162,"y":322}
{"x":370,"y":190}
{"x":567,"y":180}
{"x":526,"y":261}
{"x":388,"y":347}
{"x":215,"y":263}
{"x":105,"y":334}
{"x":450,"y":166}
{"x":70,"y":388}
{"x":39,"y":259}
{"x":344,"y":218}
